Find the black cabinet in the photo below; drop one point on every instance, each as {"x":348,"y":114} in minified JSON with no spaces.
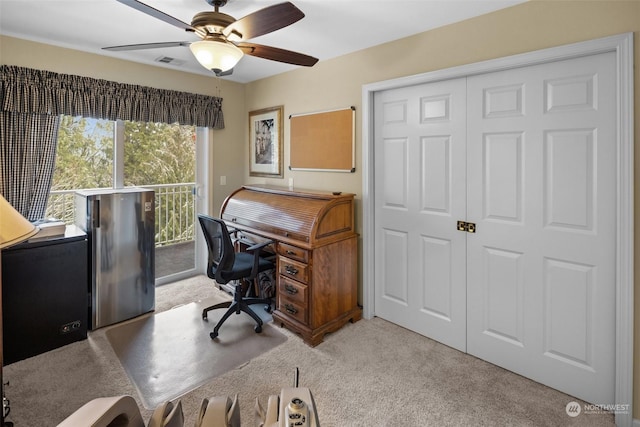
{"x":44,"y":294}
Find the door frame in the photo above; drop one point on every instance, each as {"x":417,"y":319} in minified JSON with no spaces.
{"x":622,"y":45}
{"x":203,"y":159}
{"x":203,"y":191}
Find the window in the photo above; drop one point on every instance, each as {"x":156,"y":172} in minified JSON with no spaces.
{"x":153,"y":153}
{"x":84,"y":157}
{"x":95,"y":153}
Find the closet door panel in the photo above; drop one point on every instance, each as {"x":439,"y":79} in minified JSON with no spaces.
{"x":420,"y":184}
{"x":541,"y":187}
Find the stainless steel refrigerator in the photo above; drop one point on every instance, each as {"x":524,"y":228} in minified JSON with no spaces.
{"x":120,"y":225}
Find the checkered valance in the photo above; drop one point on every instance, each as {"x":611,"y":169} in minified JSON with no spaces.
{"x":26,"y":90}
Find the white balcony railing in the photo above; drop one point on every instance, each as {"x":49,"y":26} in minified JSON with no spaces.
{"x":175,"y":211}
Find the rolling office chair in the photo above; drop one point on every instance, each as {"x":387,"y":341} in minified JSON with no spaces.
{"x":225,"y":265}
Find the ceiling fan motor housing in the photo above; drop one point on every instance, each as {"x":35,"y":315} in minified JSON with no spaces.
{"x":212,"y":22}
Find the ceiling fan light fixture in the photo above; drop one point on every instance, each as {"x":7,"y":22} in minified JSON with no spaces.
{"x":218,"y":56}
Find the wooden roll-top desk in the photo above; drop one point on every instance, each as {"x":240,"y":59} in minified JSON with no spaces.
{"x":317,"y":253}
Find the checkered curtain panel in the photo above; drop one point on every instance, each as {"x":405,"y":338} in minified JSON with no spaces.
{"x":44,"y":92}
{"x":32,"y":100}
{"x":27,"y":160}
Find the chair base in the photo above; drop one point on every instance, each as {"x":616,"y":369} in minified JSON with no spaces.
{"x":239,"y":304}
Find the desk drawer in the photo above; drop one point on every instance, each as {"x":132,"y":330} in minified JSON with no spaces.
{"x":293,"y":291}
{"x":293,"y":310}
{"x":294,"y":269}
{"x":293,"y":252}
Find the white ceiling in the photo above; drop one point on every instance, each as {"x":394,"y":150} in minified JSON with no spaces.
{"x":330,"y":28}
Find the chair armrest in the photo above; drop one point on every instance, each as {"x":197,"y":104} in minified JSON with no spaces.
{"x":255,"y":250}
{"x":258,"y":246}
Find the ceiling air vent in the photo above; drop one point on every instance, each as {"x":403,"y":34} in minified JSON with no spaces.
{"x":169,"y":60}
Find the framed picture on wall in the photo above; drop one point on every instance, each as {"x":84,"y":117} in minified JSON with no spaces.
{"x":266,"y":142}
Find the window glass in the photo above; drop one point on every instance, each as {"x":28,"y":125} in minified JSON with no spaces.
{"x":158,"y":153}
{"x":162,"y":156}
{"x":84,"y":158}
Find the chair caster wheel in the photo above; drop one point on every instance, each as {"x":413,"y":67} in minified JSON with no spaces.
{"x":213,"y":335}
{"x":258,"y":329}
{"x":267,"y":308}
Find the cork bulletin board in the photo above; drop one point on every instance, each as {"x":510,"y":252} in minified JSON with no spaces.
{"x":323,"y":141}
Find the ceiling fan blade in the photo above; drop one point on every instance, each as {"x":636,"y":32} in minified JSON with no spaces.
{"x":151,"y":11}
{"x":146,"y":46}
{"x":263,"y":21}
{"x":277,"y":54}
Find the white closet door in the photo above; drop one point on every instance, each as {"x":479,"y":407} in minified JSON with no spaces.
{"x":541,"y":155}
{"x":419,"y":194}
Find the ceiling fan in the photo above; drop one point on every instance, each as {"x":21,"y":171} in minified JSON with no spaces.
{"x":223,"y":37}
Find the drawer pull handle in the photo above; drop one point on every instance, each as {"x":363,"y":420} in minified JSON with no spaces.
{"x":290,"y":269}
{"x":291,"y":290}
{"x":290,"y":309}
{"x":290,"y":252}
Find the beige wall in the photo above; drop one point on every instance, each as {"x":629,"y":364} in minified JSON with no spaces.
{"x":338,"y":83}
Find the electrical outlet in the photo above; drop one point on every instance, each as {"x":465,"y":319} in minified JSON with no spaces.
{"x":223,"y":180}
{"x":70,"y":327}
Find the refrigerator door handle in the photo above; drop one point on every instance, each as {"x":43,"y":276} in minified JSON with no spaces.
{"x":95,"y":214}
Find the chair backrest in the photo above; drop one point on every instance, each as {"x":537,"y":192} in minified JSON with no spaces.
{"x":221,"y":251}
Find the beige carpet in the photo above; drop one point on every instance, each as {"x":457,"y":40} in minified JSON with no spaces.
{"x":370,"y":373}
{"x":170,"y":353}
